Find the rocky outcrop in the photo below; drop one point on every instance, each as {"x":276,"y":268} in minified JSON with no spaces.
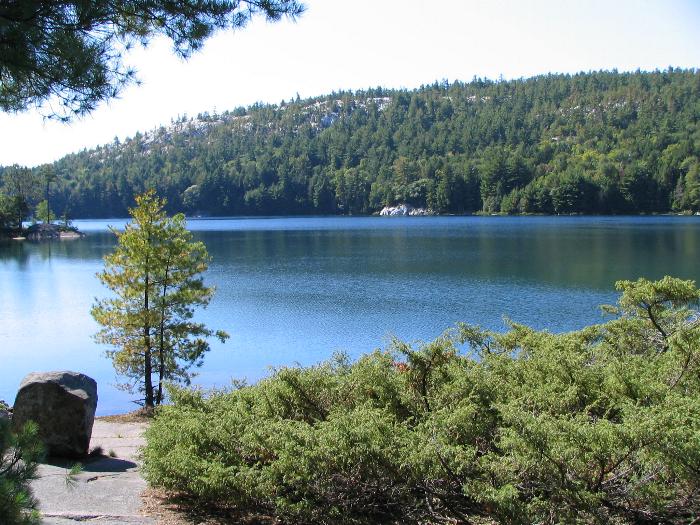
{"x":44,"y":231}
{"x":402,"y":210}
{"x":63,"y":406}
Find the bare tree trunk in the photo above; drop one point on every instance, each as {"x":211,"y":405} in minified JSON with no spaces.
{"x":148,"y":382}
{"x":48,"y":208}
{"x":161,"y":360}
{"x":147,"y":365}
{"x":161,"y":333}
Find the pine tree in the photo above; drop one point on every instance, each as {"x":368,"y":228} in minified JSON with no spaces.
{"x":155,"y":276}
{"x":20,"y":453}
{"x":44,"y":213}
{"x":67,"y":56}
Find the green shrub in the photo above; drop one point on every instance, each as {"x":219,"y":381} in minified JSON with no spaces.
{"x":599,"y":425}
{"x":19,"y":454}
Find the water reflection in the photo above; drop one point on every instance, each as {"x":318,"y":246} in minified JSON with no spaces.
{"x":584,"y":253}
{"x":13,"y":252}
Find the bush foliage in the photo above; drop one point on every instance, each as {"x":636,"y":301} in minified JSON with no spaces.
{"x":600,"y":425}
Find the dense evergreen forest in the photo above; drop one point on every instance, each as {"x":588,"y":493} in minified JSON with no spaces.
{"x":602,"y":142}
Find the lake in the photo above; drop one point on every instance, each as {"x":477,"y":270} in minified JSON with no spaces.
{"x":295,"y":290}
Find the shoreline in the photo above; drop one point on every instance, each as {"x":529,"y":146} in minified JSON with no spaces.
{"x":376,"y":214}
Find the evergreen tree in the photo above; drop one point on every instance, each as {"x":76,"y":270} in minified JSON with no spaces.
{"x":21,"y":186}
{"x":155,"y":276}
{"x":19,"y":455}
{"x":71,"y":51}
{"x":43,"y":212}
{"x":692,"y":185}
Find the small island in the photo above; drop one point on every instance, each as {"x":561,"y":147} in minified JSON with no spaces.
{"x":26,"y":194}
{"x":41,"y":232}
{"x":50,"y":231}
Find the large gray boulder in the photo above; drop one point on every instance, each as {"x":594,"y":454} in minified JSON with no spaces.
{"x":63,"y":406}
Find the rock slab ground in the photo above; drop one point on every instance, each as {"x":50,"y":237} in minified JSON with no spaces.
{"x":107,"y":491}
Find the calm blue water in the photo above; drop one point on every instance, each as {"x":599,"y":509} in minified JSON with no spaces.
{"x":297,"y":289}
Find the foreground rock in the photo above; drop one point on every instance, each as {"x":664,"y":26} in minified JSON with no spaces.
{"x":63,"y":406}
{"x":403,"y":210}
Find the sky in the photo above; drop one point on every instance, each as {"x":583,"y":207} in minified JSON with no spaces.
{"x":359,"y":44}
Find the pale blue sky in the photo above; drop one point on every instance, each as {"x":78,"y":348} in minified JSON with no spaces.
{"x":365,"y":43}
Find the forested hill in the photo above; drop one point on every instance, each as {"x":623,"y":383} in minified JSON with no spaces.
{"x":602,"y":142}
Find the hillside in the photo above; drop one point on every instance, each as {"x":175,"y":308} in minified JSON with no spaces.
{"x":602,"y":142}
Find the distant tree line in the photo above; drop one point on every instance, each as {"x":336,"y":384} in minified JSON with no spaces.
{"x":24,"y":195}
{"x":602,"y":142}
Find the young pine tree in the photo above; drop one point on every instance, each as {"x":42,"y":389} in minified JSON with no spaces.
{"x":155,"y":276}
{"x":19,"y":455}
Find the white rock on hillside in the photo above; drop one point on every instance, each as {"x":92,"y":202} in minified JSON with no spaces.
{"x":402,"y":210}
